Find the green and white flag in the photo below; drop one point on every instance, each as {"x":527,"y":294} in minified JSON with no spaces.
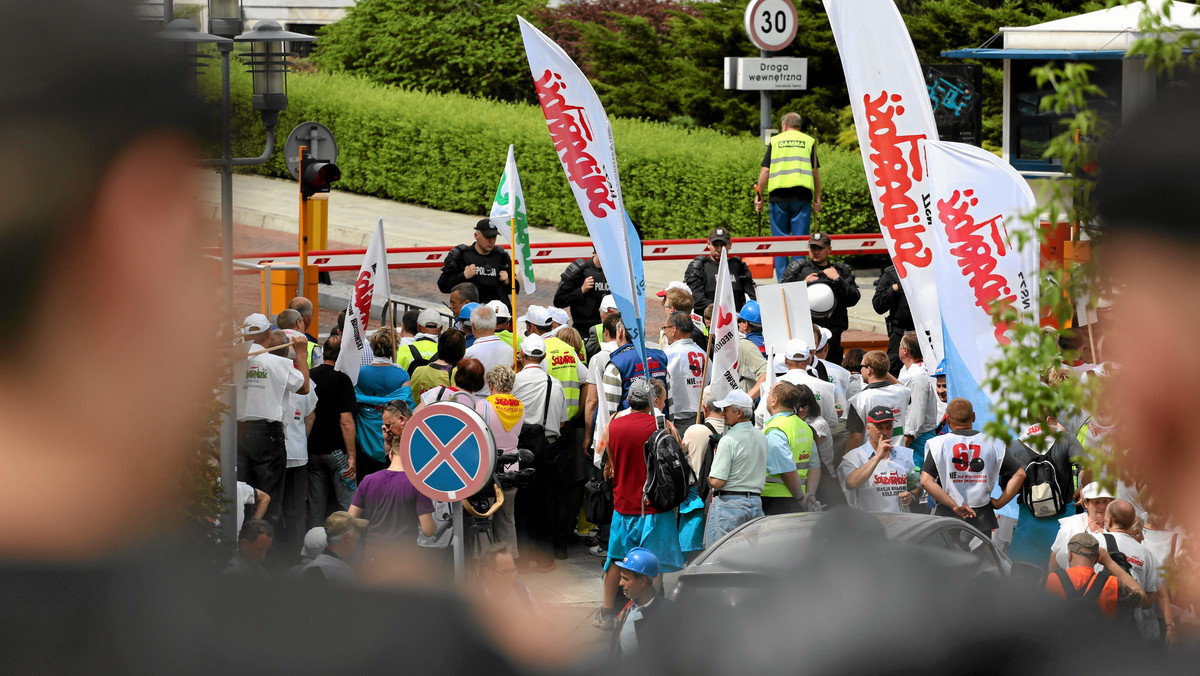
{"x":508,"y":215}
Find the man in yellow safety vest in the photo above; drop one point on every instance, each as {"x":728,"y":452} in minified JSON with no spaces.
{"x":789,"y":181}
{"x":793,"y":469}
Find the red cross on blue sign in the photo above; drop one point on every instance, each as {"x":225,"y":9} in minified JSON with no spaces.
{"x":448,"y":451}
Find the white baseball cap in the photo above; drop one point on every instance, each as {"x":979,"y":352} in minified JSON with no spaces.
{"x":559,"y":315}
{"x":536,"y":315}
{"x":735,"y":398}
{"x":533,"y":346}
{"x":1094,"y":491}
{"x":608,"y":303}
{"x":780,"y":366}
{"x":430,"y":319}
{"x":255,"y":323}
{"x":674,"y":285}
{"x":826,"y":334}
{"x":796,"y":350}
{"x":500,"y":309}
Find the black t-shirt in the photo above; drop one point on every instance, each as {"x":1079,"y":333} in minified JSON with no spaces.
{"x":335,"y":396}
{"x":487,"y":272}
{"x":795,"y":193}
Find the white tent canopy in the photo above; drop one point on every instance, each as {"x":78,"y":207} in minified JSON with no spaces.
{"x":1115,"y":28}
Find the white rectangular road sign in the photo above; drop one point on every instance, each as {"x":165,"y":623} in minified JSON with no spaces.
{"x":769,"y":74}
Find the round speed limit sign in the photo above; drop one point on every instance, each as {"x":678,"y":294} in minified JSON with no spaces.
{"x":771,"y":24}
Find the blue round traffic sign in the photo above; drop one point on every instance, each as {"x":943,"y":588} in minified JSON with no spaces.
{"x":448,"y":451}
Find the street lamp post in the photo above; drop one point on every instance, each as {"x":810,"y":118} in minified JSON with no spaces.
{"x":268,"y":62}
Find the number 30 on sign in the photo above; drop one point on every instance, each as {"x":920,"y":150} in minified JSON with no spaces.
{"x":771,"y":24}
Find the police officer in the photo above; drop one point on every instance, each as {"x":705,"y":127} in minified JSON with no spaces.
{"x":790,"y":180}
{"x":701,"y":274}
{"x":817,"y":269}
{"x":483,"y":264}
{"x":581,"y":288}
{"x":889,"y":299}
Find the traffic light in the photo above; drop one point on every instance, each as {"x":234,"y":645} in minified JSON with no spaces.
{"x":316,"y":175}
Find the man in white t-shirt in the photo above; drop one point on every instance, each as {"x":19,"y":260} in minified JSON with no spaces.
{"x":827,"y":370}
{"x":685,"y":369}
{"x":881,"y":389}
{"x":922,"y":417}
{"x":875,"y":475}
{"x":1119,"y":519}
{"x":265,"y":382}
{"x":963,"y":467}
{"x":301,"y":414}
{"x":797,"y":356}
{"x":490,"y":349}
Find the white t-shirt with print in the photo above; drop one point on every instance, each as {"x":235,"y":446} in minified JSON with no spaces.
{"x":295,"y":434}
{"x":264,"y":385}
{"x":881,"y":491}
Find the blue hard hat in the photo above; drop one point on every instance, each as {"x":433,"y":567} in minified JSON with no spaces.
{"x":751,"y":312}
{"x":941,"y":369}
{"x":465,"y":312}
{"x":641,"y":561}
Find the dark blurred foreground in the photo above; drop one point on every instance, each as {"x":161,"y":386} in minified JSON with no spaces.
{"x":847,"y":602}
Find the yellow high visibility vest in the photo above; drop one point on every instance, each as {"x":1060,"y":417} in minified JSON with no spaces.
{"x":800,"y":439}
{"x":560,"y":363}
{"x":791,"y":161}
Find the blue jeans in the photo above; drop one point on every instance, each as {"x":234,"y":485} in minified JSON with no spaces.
{"x":727,"y":512}
{"x":789,"y":219}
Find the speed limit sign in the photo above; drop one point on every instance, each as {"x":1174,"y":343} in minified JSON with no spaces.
{"x":771,"y":24}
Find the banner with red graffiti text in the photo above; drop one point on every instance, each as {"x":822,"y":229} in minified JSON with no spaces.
{"x":978,"y":201}
{"x":584,"y":143}
{"x":892,"y":114}
{"x":372,"y":284}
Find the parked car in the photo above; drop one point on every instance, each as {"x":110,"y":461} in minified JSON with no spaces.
{"x":786,"y":543}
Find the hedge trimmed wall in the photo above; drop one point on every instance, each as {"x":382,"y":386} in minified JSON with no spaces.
{"x":447,"y":152}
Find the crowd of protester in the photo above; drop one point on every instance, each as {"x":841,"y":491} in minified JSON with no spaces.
{"x":803,"y":432}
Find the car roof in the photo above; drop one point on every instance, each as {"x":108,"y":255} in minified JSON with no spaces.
{"x":761,"y":544}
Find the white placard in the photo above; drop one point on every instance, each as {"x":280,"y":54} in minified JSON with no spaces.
{"x":774,"y":74}
{"x":785,"y":314}
{"x":771,"y":24}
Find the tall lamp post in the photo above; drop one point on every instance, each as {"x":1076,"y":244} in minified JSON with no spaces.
{"x":268,"y":64}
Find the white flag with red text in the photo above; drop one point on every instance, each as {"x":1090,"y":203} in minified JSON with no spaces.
{"x":583,"y":141}
{"x":892,"y":114}
{"x":722,"y":335}
{"x":371,"y":284}
{"x":978,"y":201}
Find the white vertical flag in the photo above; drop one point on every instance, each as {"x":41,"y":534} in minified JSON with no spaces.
{"x":723,"y":371}
{"x":583,"y":141}
{"x":372,"y":282}
{"x":892,"y":114}
{"x":508,"y":215}
{"x":978,"y":199}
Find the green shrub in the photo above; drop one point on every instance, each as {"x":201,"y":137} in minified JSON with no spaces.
{"x":447,"y":151}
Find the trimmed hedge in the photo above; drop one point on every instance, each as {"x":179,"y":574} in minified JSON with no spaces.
{"x":446,"y":151}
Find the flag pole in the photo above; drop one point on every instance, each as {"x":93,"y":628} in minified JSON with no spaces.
{"x":787,"y":318}
{"x":512,"y":280}
{"x":704,"y":377}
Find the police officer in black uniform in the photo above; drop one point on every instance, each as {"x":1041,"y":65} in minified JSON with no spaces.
{"x":701,"y":274}
{"x":581,"y":288}
{"x":483,"y":264}
{"x":817,"y":268}
{"x":889,"y":298}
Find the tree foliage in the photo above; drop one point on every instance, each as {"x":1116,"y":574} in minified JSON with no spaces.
{"x":654,"y":60}
{"x":467,"y":46}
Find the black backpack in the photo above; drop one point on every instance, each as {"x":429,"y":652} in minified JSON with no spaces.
{"x":1040,"y":492}
{"x":1115,"y":553}
{"x":703,"y":488}
{"x":1087,"y":601}
{"x":668,"y":475}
